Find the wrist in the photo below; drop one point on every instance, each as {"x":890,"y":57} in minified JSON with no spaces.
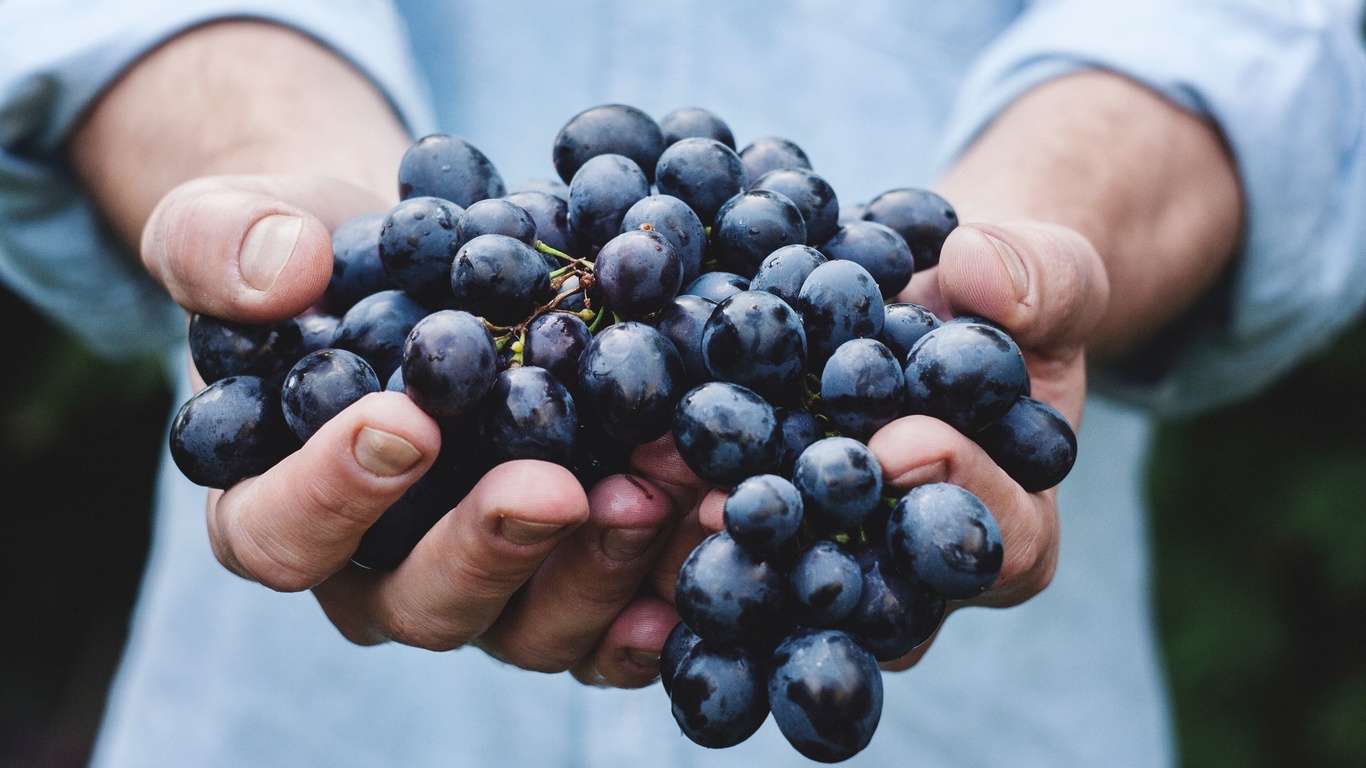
{"x":1152,"y":187}
{"x":249,"y":98}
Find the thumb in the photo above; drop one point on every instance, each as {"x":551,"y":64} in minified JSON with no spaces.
{"x":249,"y":248}
{"x":1044,"y":283}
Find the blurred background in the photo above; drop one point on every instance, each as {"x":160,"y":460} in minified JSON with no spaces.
{"x":1259,"y":530}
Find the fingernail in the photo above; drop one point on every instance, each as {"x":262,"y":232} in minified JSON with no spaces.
{"x":523,"y":533}
{"x":927,"y":473}
{"x":267,"y":248}
{"x":1014,"y":266}
{"x":384,"y":454}
{"x":622,"y":544}
{"x":643,"y":658}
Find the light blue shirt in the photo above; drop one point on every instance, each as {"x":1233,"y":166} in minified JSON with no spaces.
{"x":881,"y":94}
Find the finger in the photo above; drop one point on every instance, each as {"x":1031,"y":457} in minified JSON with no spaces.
{"x":918,"y":449}
{"x":659,"y":461}
{"x":249,"y":248}
{"x":1044,"y":283}
{"x":563,"y":611}
{"x":460,"y":576}
{"x":300,"y":521}
{"x":687,"y":534}
{"x":628,"y":656}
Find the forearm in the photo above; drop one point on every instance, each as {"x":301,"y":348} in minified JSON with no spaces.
{"x":233,"y":97}
{"x":1150,"y":185}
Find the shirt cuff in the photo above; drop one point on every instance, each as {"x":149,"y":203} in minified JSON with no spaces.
{"x":1287,"y":87}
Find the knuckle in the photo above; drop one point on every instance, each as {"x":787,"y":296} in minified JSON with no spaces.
{"x":424,"y":632}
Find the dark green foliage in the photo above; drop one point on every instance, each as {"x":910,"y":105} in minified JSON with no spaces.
{"x":1260,"y":538}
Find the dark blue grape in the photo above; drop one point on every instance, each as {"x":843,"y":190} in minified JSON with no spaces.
{"x":450,"y":168}
{"x":720,"y":695}
{"x":682,"y":321}
{"x":499,"y":278}
{"x":798,"y":429}
{"x":598,"y":455}
{"x":824,"y":584}
{"x":942,"y":536}
{"x":756,"y":340}
{"x":966,"y":374}
{"x":903,"y":325}
{"x":673,"y":219}
{"x":726,"y":433}
{"x":752,"y":225}
{"x":862,"y":388}
{"x":840,"y":481}
{"x":395,"y":382}
{"x":555,"y":341}
{"x":417,"y":245}
{"x":317,"y":330}
{"x":322,"y":385}
{"x":357,"y":270}
{"x":877,"y":249}
{"x":630,"y":378}
{"x":230,"y":430}
{"x":528,"y":415}
{"x":495,"y":217}
{"x":614,"y":129}
{"x":839,"y":301}
{"x":695,"y":123}
{"x":763,"y":513}
{"x":826,"y":694}
{"x":894,"y":615}
{"x":1033,"y":443}
{"x":921,"y":217}
{"x":222,"y":348}
{"x":704,"y":173}
{"x":717,"y":286}
{"x":727,"y":595}
{"x":782,"y":272}
{"x":676,"y":646}
{"x":638,"y":272}
{"x":770,"y":153}
{"x":551,"y":217}
{"x":449,"y":363}
{"x":600,"y":194}
{"x":812,"y":195}
{"x":376,"y":328}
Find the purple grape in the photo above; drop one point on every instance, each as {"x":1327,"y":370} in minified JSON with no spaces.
{"x":704,"y":173}
{"x":921,"y":217}
{"x":638,"y":272}
{"x":449,"y":363}
{"x":813,"y":196}
{"x":862,"y":388}
{"x":528,"y":414}
{"x":824,"y":584}
{"x":692,"y":123}
{"x":726,"y":433}
{"x":600,"y":194}
{"x":615,"y":129}
{"x":826,"y":694}
{"x":727,"y":595}
{"x":417,"y":245}
{"x":322,"y":385}
{"x":782,"y":272}
{"x":750,"y":226}
{"x":755,"y":339}
{"x":1033,"y":443}
{"x":770,"y":153}
{"x":630,"y":378}
{"x":763,"y":513}
{"x":450,"y":168}
{"x":230,"y":430}
{"x":942,"y":536}
{"x":840,"y":481}
{"x":377,"y":327}
{"x":967,"y":374}
{"x":877,"y":249}
{"x":499,"y":278}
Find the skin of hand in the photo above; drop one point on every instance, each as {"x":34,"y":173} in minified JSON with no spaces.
{"x":232,"y":195}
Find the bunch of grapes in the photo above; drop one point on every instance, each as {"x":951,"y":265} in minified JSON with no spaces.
{"x":673,"y":285}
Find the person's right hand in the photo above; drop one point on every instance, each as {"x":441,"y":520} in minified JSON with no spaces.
{"x":528,"y":566}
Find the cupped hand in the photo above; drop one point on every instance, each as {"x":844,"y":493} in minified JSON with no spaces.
{"x":1047,"y":286}
{"x":528,"y":566}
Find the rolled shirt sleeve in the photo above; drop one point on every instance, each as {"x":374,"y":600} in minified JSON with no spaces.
{"x":56,"y":58}
{"x":1285,"y":81}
